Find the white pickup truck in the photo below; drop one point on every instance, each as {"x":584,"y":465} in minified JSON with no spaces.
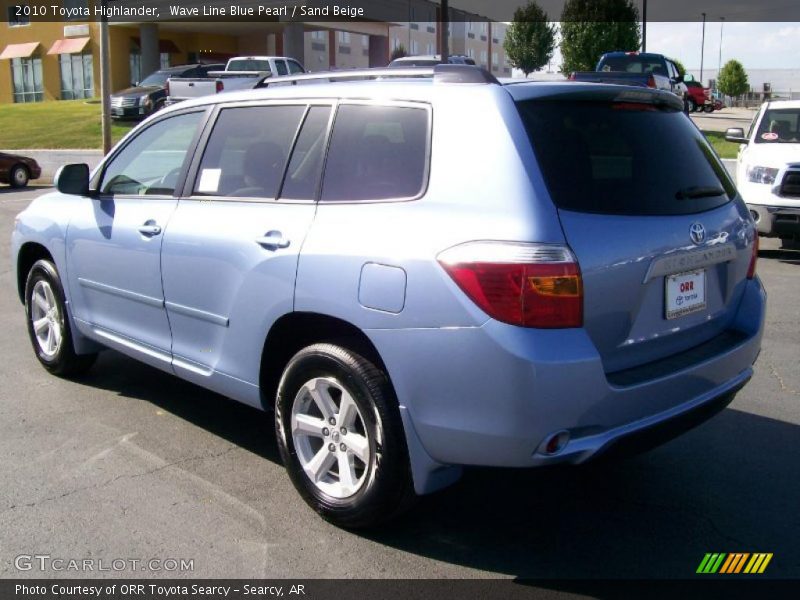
{"x":241,"y":73}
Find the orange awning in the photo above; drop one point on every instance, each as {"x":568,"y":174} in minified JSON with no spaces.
{"x":19,"y":50}
{"x":69,"y":46}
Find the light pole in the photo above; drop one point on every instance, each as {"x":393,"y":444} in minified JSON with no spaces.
{"x":644,"y":25}
{"x":721,"y":27}
{"x":444,"y":28}
{"x":702,"y":48}
{"x":105,"y":82}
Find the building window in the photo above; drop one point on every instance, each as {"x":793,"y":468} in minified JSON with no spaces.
{"x":414,"y":47}
{"x":76,"y":76}
{"x":15,"y":16}
{"x":83,"y":5}
{"x":494,"y":60}
{"x":365,"y":41}
{"x":26,"y":76}
{"x":471,"y":53}
{"x":164,"y":60}
{"x":483,"y":58}
{"x":344,"y":37}
{"x":430,"y":49}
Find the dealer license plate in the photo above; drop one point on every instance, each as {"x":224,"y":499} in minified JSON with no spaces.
{"x":685,"y":293}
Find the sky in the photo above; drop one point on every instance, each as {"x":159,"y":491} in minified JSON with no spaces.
{"x":755,"y":45}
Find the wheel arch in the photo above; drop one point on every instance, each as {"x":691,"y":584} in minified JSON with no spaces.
{"x":296,"y":330}
{"x":27,"y":256}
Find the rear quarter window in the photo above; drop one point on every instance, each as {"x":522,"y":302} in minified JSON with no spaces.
{"x":620,"y":158}
{"x":377,"y":153}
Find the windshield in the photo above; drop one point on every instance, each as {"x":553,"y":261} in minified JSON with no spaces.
{"x":248,"y":64}
{"x":633,"y":63}
{"x":779,"y":126}
{"x":624,"y":158}
{"x":157,"y":79}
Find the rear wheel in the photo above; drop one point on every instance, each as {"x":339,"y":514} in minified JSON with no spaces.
{"x":708,"y":108}
{"x":48,"y":324}
{"x":19,"y":176}
{"x":692,"y":105}
{"x":341,"y":438}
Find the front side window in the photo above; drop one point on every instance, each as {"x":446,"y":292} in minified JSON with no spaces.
{"x":376,"y":153}
{"x":779,"y":126}
{"x":152,"y":162}
{"x":246,"y":153}
{"x":76,"y":76}
{"x":26,"y":77}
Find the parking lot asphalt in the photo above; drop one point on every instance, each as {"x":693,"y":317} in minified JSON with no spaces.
{"x":131,"y":463}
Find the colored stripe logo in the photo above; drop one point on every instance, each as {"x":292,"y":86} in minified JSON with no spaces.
{"x":735,"y":562}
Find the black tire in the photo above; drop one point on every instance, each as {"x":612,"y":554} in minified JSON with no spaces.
{"x":692,"y":105}
{"x":19,"y":176}
{"x":708,"y":108}
{"x":63,"y":361}
{"x":387,"y":488}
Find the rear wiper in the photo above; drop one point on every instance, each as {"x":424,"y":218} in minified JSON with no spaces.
{"x":698,"y":191}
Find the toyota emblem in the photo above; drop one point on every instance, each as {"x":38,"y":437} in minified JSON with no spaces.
{"x":697,"y":232}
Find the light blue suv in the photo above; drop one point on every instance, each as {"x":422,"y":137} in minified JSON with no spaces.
{"x":415,"y":273}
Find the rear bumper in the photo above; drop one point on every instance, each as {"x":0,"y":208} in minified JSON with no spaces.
{"x":492,"y":395}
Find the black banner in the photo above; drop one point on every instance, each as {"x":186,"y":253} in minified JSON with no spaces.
{"x":391,"y":11}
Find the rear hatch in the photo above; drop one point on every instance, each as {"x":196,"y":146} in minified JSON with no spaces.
{"x":649,"y":211}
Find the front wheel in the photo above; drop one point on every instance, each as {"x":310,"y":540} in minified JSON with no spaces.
{"x":341,"y":438}
{"x":692,"y":105}
{"x":19,"y":176}
{"x":48,"y":324}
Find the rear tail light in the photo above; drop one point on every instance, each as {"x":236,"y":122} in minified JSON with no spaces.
{"x":651,"y":81}
{"x":530,"y":285}
{"x":166,"y":87}
{"x":220,"y":86}
{"x":751,"y":270}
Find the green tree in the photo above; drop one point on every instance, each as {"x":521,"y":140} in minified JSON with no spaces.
{"x":590,"y":28}
{"x":530,"y":39}
{"x":398,"y":52}
{"x":732,"y":80}
{"x":681,"y":68}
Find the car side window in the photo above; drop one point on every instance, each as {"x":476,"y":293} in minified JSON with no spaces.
{"x":295,"y":67}
{"x":246,"y":153}
{"x":305,"y":166}
{"x":281,"y":66}
{"x":376,"y":153}
{"x":152,"y":162}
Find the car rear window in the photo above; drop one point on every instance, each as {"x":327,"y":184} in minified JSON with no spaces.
{"x":633,"y":64}
{"x":376,"y":153}
{"x":624,"y":158}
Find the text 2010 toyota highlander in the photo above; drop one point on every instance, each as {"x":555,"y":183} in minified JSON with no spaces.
{"x":418,"y":273}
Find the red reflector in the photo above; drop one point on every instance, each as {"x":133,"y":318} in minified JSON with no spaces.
{"x":547,"y":295}
{"x":751,"y":270}
{"x":633,"y":106}
{"x":220,"y":86}
{"x":651,"y":82}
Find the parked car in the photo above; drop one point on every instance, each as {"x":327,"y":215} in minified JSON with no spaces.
{"x":17,"y":170}
{"x":150,"y":94}
{"x":639,"y":69}
{"x":768,"y":169}
{"x":320,"y":252}
{"x":698,"y":98}
{"x":241,"y":73}
{"x":430,"y":60}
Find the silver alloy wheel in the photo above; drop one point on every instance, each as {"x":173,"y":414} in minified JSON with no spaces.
{"x":20,"y":176}
{"x":330,"y":437}
{"x":46,"y":318}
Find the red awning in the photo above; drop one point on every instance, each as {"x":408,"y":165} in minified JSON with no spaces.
{"x":19,"y":50}
{"x":164,"y":46}
{"x":69,"y":46}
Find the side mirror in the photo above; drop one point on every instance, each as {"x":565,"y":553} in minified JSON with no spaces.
{"x":736,"y":135}
{"x":73,"y":179}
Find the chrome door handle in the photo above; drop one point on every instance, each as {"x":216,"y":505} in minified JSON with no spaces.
{"x":150,"y":229}
{"x":273,"y":240}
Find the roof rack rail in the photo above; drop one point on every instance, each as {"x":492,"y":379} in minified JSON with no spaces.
{"x":440,"y":74}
